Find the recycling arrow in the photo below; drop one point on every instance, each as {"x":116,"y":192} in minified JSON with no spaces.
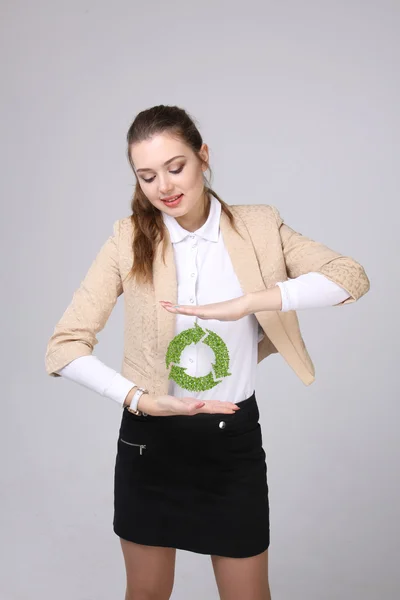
{"x":193,"y":336}
{"x":220,"y":350}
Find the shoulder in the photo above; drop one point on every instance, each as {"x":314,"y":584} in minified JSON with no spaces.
{"x":254,"y":213}
{"x":123,"y":227}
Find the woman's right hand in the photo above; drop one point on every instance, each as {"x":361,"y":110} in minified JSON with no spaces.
{"x":168,"y":406}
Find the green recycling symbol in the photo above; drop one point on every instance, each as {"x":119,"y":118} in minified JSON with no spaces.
{"x":193,"y":336}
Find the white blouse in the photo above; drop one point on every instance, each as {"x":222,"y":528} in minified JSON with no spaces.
{"x":220,"y":364}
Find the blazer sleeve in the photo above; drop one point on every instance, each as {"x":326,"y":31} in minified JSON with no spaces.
{"x":303,"y":255}
{"x":75,"y":333}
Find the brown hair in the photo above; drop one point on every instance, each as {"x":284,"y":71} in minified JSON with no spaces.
{"x":147,"y":220}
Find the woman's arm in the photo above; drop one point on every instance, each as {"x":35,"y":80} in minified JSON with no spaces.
{"x":303,"y":255}
{"x":311,"y":290}
{"x":91,"y":305}
{"x":92,"y":373}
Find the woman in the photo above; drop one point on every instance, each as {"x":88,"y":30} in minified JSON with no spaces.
{"x":207,"y":297}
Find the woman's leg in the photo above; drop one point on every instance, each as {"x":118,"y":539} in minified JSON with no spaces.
{"x":150,"y":571}
{"x":242,"y":578}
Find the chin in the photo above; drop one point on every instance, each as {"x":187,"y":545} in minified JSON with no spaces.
{"x":180,"y":211}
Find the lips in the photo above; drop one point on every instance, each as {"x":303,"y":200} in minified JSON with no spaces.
{"x":171,"y":198}
{"x":174,"y":202}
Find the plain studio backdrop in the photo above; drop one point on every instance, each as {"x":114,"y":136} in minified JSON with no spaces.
{"x":299,"y":103}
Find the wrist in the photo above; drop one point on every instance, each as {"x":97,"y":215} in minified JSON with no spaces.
{"x":248,"y":302}
{"x":144,"y":402}
{"x":268,"y":299}
{"x":129,"y":396}
{"x":136,"y":404}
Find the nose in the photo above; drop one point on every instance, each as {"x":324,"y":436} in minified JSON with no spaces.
{"x":165,"y":185}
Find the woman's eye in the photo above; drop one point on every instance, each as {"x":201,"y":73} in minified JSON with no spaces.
{"x":178,"y":170}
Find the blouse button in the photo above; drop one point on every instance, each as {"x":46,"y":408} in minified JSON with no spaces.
{"x":222,"y":425}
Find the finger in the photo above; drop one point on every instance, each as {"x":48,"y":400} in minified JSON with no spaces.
{"x":217,"y":404}
{"x":231,"y":405}
{"x":198,"y":405}
{"x":193,"y":407}
{"x":222,"y":403}
{"x":208,"y":406}
{"x":187,"y":310}
{"x":218,"y":410}
{"x":182,"y":309}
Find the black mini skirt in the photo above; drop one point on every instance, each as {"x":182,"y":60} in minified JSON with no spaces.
{"x":196,"y":483}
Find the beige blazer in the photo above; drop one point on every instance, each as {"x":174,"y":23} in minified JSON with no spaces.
{"x":268,"y":251}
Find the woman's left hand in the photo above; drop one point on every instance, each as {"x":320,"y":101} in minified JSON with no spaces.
{"x":229,"y":310}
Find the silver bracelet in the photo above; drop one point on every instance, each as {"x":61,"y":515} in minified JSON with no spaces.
{"x":135,"y":399}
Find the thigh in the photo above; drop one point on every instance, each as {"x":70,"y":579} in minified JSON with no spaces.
{"x":242,"y":578}
{"x":150,"y":571}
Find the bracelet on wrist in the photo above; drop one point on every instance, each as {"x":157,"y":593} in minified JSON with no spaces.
{"x":134,"y":402}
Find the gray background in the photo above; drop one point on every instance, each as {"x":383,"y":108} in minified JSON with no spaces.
{"x":298,"y":102}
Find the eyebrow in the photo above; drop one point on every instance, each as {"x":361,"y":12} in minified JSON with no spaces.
{"x":165,"y":164}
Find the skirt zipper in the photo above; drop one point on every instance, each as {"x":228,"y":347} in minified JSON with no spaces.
{"x":141,"y":446}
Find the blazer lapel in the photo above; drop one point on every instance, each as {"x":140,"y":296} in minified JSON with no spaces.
{"x":165,"y":288}
{"x":247,"y":269}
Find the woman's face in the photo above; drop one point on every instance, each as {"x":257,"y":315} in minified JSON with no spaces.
{"x":168,"y":170}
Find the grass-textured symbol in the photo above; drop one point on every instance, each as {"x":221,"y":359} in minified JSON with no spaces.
{"x":193,"y":336}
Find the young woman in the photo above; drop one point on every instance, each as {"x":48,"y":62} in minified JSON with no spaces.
{"x":210,"y":290}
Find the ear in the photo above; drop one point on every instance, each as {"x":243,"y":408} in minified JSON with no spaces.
{"x":204,"y":155}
